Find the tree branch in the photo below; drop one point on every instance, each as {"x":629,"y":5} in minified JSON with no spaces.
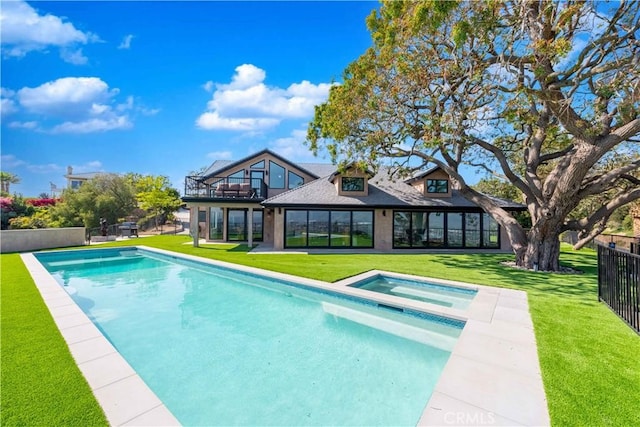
{"x":597,"y":221}
{"x":599,"y":184}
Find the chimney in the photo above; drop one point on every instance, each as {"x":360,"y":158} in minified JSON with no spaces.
{"x":69,"y":170}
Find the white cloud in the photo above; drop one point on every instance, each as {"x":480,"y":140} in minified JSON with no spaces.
{"x":44,"y":169}
{"x":92,"y":166}
{"x":94,"y":125}
{"x":64,"y":95}
{"x":149,"y":111}
{"x":5,"y":92}
{"x":24,"y":125}
{"x":220,"y":155}
{"x":247,"y":104}
{"x":208,"y":86}
{"x":10,"y":161}
{"x":75,"y":57}
{"x":246,"y":76}
{"x":128,"y":105}
{"x":24,"y":30}
{"x":84,"y":104}
{"x":293,"y":147}
{"x":126,"y":42}
{"x":214,"y":121}
{"x":7,"y":106}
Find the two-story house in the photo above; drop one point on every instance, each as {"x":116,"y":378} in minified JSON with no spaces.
{"x":266,"y":198}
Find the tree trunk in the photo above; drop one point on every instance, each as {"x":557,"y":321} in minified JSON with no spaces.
{"x":543,"y":249}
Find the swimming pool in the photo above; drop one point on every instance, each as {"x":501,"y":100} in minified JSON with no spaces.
{"x":220,"y":346}
{"x":419,"y":290}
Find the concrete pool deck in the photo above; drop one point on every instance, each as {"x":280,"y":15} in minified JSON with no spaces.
{"x":492,"y":377}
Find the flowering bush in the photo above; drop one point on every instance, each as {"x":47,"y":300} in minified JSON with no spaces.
{"x":6,"y":203}
{"x":42,"y":202}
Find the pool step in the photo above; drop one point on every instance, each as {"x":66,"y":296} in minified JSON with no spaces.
{"x":414,"y":333}
{"x":69,"y":262}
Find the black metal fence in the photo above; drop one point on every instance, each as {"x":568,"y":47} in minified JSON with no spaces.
{"x":619,"y":283}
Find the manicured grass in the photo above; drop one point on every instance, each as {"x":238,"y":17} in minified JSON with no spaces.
{"x":40,"y":382}
{"x":589,"y":357}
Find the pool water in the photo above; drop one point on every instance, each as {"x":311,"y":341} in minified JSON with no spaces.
{"x":446,"y":296}
{"x":223,"y":347}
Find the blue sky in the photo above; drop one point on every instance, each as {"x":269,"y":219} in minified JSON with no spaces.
{"x":165,"y":88}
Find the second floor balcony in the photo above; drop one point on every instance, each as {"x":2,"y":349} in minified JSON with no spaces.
{"x":224,"y":187}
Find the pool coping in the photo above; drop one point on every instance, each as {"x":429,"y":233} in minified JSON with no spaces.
{"x":492,"y":377}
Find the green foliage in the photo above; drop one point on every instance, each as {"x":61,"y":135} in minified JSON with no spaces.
{"x":505,"y":86}
{"x":108,"y":196}
{"x":7,"y":178}
{"x":499,"y":188}
{"x":155,"y":194}
{"x":40,"y":219}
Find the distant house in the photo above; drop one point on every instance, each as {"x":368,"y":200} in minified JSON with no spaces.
{"x":266,"y":198}
{"x":74,"y":181}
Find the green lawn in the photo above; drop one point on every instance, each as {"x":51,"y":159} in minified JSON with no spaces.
{"x":589,"y":357}
{"x":40,"y":383}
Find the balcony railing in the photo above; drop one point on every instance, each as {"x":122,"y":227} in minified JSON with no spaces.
{"x":224,"y":187}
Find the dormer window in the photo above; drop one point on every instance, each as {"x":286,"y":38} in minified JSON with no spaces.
{"x":352,"y":183}
{"x":438,"y":186}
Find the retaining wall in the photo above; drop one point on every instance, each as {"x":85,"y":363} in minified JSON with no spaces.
{"x":40,"y":238}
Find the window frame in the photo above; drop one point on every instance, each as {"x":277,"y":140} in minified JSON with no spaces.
{"x":351,"y":181}
{"x":272,"y":174}
{"x":329,"y":226}
{"x":436,"y":184}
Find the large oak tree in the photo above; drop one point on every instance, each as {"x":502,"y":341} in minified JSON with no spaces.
{"x":544,"y":94}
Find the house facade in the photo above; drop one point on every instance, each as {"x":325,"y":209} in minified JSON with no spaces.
{"x":266,"y":198}
{"x":75,"y":180}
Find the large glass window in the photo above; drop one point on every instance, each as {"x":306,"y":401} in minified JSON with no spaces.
{"x":295,"y":180}
{"x":328,"y":228}
{"x":236,"y":178}
{"x":472,"y":230}
{"x":236,"y":225}
{"x":257,"y":225}
{"x":490,"y":230}
{"x":454,"y":229}
{"x":445,"y":229}
{"x":352,"y":183}
{"x":216,"y":222}
{"x":401,"y":229}
{"x":259,"y":165}
{"x":276,"y":175}
{"x":435,"y":234}
{"x":318,"y":228}
{"x":257,"y":178}
{"x":419,"y":228}
{"x":340,"y":228}
{"x":295,"y":228}
{"x":362,"y":229}
{"x":437,"y":186}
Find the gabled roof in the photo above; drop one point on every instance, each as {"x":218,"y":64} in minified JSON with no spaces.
{"x":222,"y":166}
{"x":421,"y":174}
{"x":351,"y":165}
{"x":383,"y":192}
{"x":216,"y":166}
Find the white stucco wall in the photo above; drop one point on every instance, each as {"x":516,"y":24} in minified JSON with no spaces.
{"x":41,"y":238}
